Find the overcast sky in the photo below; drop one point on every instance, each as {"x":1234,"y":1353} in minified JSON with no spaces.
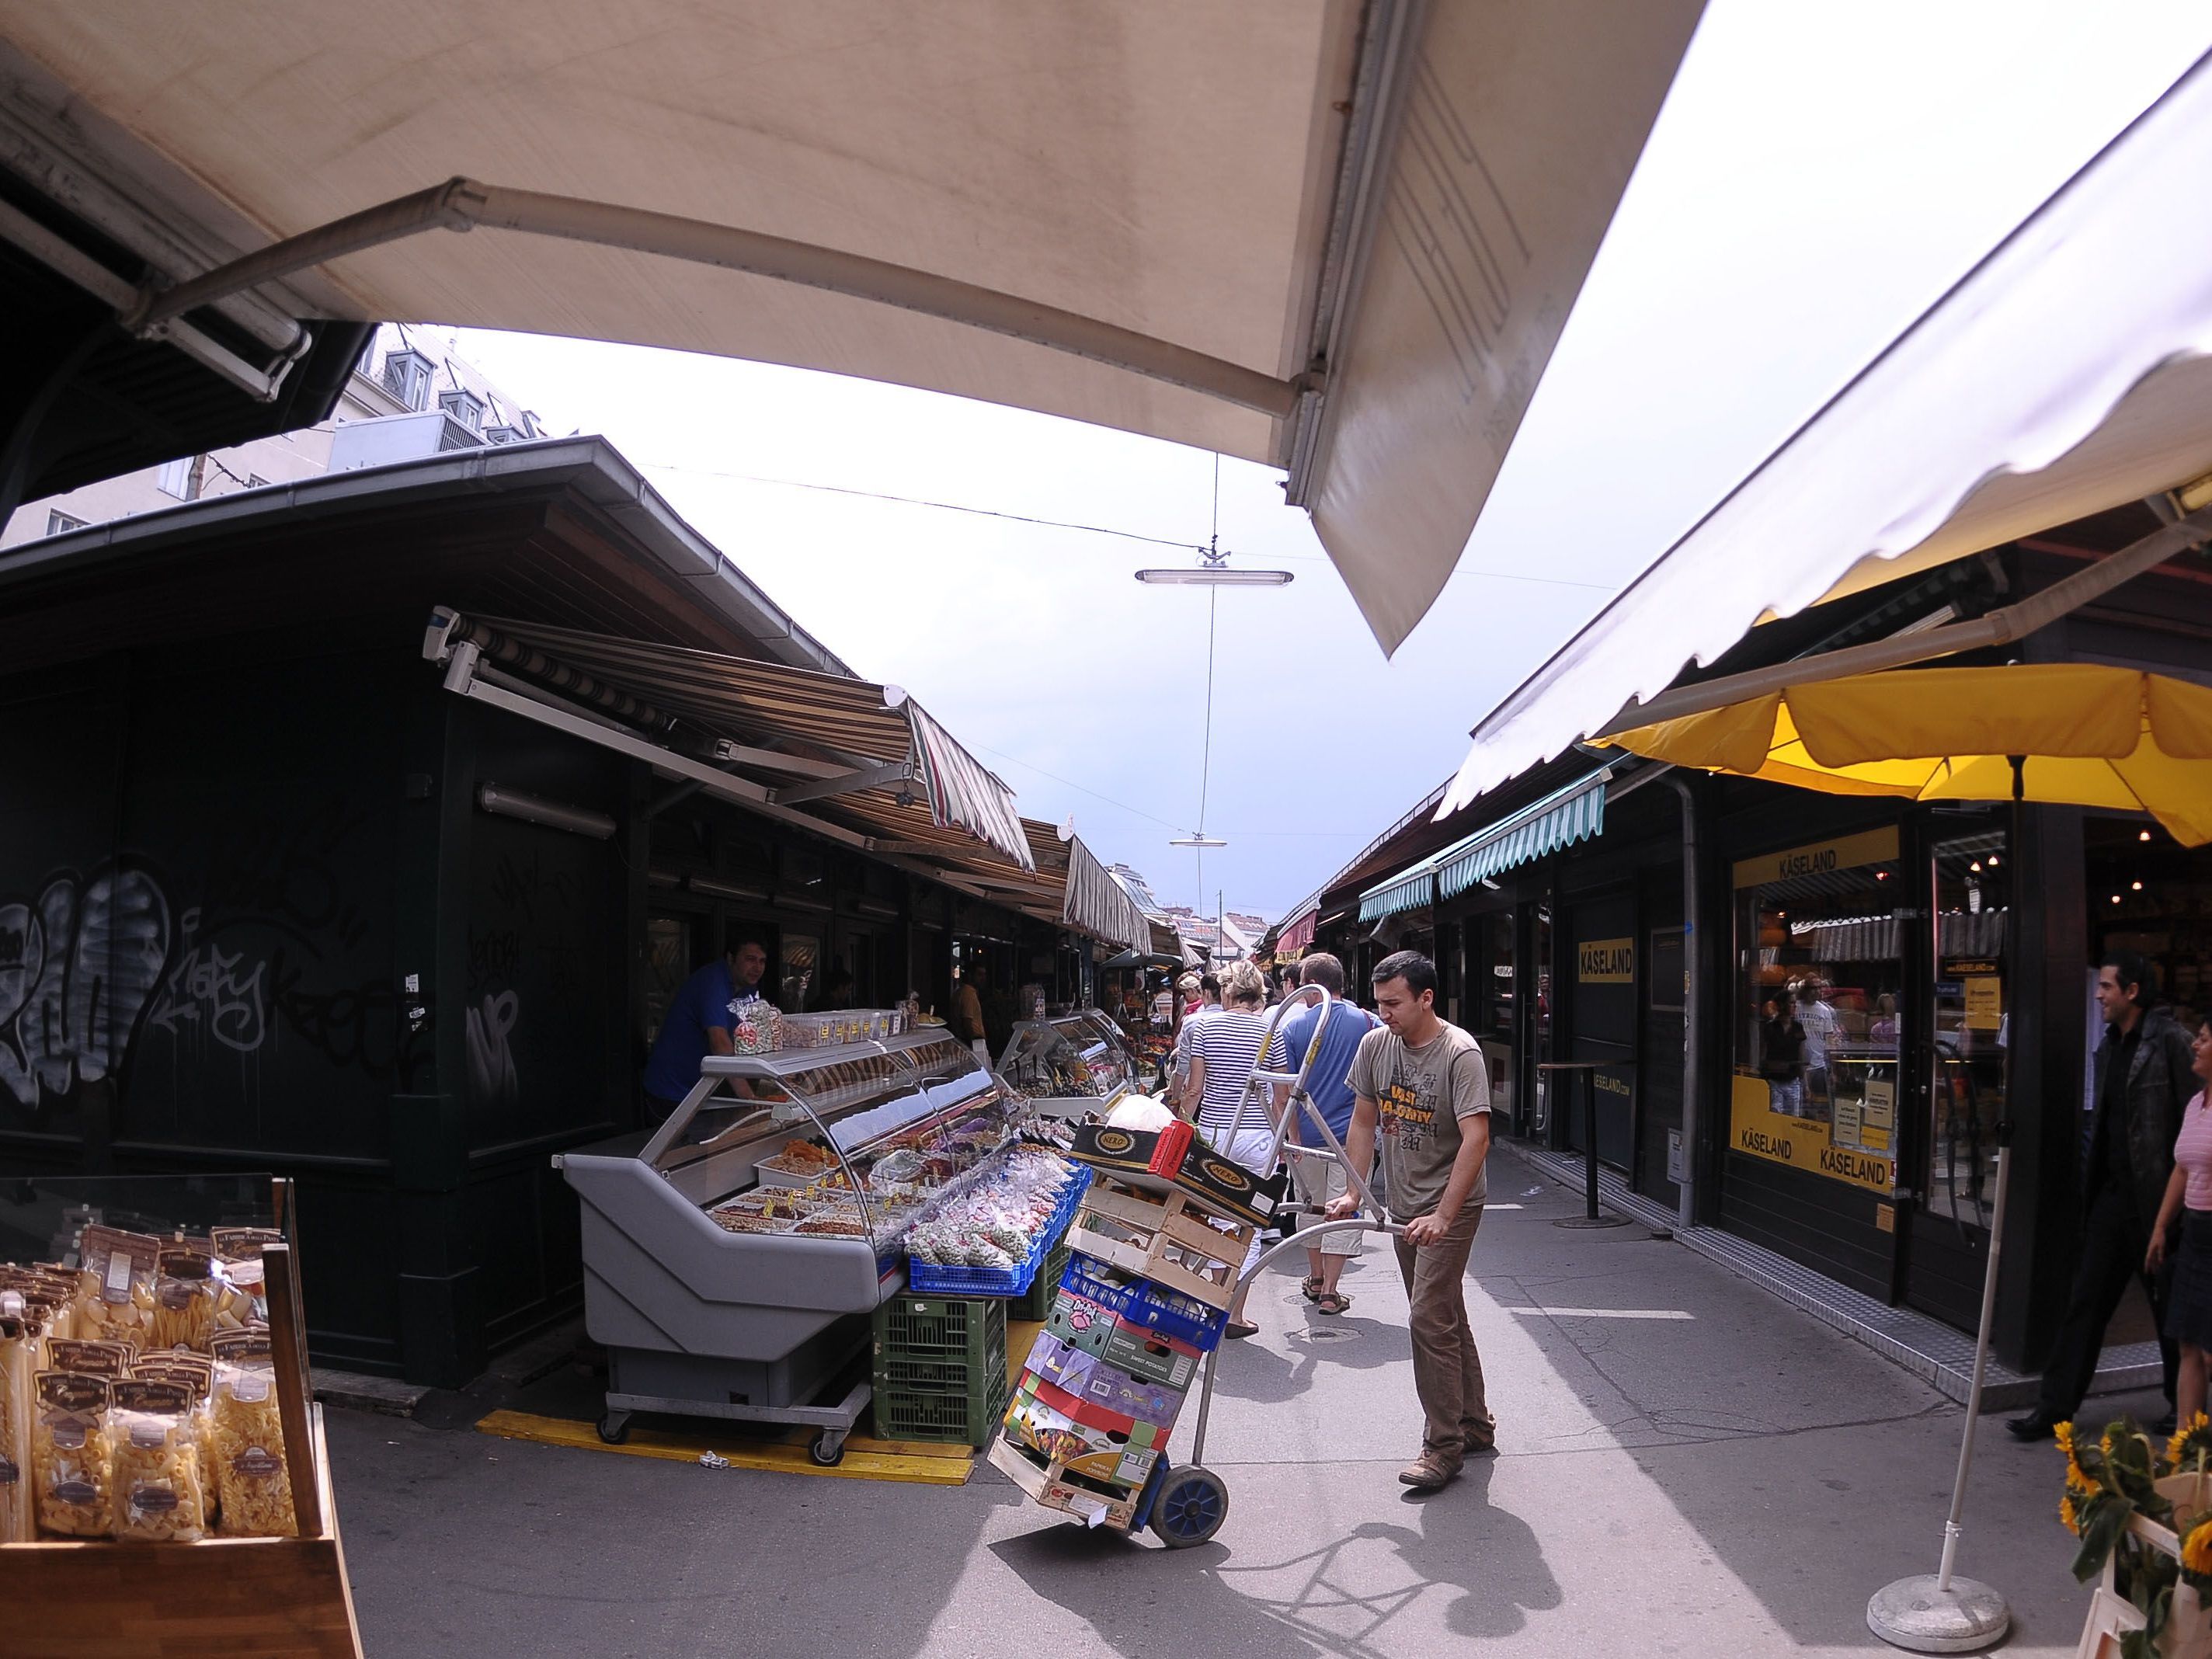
{"x":1819,"y":174}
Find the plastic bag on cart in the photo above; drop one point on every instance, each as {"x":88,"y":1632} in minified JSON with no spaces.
{"x":1140,"y":1113}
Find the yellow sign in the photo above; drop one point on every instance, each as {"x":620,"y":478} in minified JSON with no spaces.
{"x":1874,"y":846}
{"x":1606,"y":961}
{"x":1984,"y":1003}
{"x":1756,"y":1130}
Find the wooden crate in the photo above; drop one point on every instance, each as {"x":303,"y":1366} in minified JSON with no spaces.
{"x":1047,"y":1483}
{"x":1172,"y":1244}
{"x":221,"y":1598}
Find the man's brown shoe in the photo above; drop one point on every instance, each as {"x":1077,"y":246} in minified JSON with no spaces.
{"x":1430,"y":1471}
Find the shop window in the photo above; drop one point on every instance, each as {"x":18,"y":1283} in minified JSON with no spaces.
{"x":1972,"y":893}
{"x":1818,"y":980}
{"x":796,"y":972}
{"x":667,"y":965}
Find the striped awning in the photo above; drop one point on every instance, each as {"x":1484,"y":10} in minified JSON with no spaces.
{"x":774,"y":713}
{"x":1409,"y":889}
{"x":1296,"y":935}
{"x":1560,"y":819}
{"x":1099,"y":904}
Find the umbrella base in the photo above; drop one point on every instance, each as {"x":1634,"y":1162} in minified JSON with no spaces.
{"x":1916,"y":1615}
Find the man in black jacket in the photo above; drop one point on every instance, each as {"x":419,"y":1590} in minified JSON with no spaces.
{"x":2142,"y":1083}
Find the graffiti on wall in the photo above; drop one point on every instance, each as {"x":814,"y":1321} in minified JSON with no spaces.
{"x":77,"y":965}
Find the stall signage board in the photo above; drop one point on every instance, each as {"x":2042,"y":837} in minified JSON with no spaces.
{"x":1756,"y":1130}
{"x":1606,"y":961}
{"x":1873,"y":846}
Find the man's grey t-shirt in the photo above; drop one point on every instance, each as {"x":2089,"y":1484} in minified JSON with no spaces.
{"x":1423,"y":1093}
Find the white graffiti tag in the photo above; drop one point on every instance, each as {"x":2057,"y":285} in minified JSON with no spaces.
{"x":491,"y":1062}
{"x":211,"y":990}
{"x":75,"y":971}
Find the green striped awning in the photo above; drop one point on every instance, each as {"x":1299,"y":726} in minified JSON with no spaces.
{"x":1560,"y":819}
{"x":1409,"y":889}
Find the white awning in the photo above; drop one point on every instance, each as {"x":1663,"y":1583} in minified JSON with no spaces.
{"x":2066,"y":375}
{"x":1338,"y":238}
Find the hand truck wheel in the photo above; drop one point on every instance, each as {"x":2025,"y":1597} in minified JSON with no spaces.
{"x":827,"y":1449}
{"x":1191,"y":1506}
{"x":614,"y":1428}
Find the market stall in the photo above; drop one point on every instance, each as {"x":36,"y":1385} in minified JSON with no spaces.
{"x":164,"y":1484}
{"x":1075,"y":1065}
{"x":733,"y":1261}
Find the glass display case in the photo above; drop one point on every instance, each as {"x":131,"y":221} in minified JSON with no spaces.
{"x":1071,"y":1066}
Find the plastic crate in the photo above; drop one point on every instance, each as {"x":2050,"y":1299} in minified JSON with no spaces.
{"x":939,"y":1364}
{"x":1024,"y":1276}
{"x":1140,"y":1302}
{"x":1036,"y":1303}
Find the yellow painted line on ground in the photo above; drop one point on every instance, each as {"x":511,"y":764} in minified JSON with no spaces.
{"x":1021,"y":1334}
{"x":913,"y":1461}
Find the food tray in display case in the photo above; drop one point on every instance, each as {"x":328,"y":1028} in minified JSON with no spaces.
{"x":1071,"y":1065}
{"x":711,"y":1280}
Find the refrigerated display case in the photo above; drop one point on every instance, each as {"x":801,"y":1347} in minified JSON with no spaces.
{"x":733,"y":1258}
{"x":1073,"y":1066}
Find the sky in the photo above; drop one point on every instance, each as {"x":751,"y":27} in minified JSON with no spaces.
{"x":1819,"y":174}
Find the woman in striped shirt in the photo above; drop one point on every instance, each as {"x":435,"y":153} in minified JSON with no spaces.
{"x":1223,"y":1049}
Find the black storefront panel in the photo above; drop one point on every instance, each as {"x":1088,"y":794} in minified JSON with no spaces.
{"x":1602,"y":959}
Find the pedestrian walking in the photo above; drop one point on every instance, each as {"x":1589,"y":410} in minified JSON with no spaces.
{"x":2189,"y":1200}
{"x":1782,"y":1055}
{"x":1206,"y":989}
{"x":1420,"y":1081}
{"x":2143,"y":1079}
{"x":1329,"y":1086}
{"x":1225,"y":1047}
{"x":968,"y":1011}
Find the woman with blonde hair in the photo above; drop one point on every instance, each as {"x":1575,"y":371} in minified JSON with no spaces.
{"x":1224,"y":1047}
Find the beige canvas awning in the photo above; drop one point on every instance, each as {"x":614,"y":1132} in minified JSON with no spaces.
{"x":1338,"y":239}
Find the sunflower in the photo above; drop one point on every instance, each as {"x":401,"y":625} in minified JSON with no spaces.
{"x":2071,"y":1517}
{"x":2064,"y":1434}
{"x":2196,"y":1549}
{"x":2174,"y":1445}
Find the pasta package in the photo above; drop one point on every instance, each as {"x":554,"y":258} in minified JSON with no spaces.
{"x":241,"y":1300}
{"x":115,"y":1284}
{"x":83,"y":1359}
{"x":70,"y":1456}
{"x":184,"y":1297}
{"x":154,"y":1466}
{"x":17,"y":1345}
{"x":247,"y":1436}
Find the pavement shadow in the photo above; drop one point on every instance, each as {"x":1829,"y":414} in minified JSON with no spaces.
{"x":1456,"y":1559}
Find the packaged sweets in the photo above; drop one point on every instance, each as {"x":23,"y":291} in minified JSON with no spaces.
{"x":154,"y":1464}
{"x":17,"y":1343}
{"x":115,"y":1284}
{"x":70,"y":1456}
{"x":247,"y":1439}
{"x":184,"y":1300}
{"x":758,"y":1027}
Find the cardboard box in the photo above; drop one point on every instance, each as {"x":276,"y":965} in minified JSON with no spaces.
{"x":1079,"y":1322}
{"x":1226,"y":1188}
{"x":1050,"y":1484}
{"x":1098,"y":1382}
{"x":1151,"y":1356}
{"x":1086,"y":1440}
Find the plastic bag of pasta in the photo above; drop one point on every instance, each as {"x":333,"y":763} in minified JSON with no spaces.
{"x":83,"y":1359}
{"x":240,"y":1299}
{"x":184,"y":1298}
{"x":115,"y":1284}
{"x":69,"y":1456}
{"x":154,"y":1464}
{"x":17,"y":1342}
{"x":247,"y":1436}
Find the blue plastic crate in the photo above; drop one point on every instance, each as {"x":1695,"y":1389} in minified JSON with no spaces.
{"x":946,"y":1281}
{"x":1143,"y":1303}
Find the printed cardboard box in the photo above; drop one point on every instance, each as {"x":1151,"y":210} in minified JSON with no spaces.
{"x":1079,"y":1322}
{"x":1098,"y":1382}
{"x":1151,"y":1356}
{"x":1106,"y":1446}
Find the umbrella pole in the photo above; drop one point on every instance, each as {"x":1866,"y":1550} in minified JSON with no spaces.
{"x":1945,"y":1614}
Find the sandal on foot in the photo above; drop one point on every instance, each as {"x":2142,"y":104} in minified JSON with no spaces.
{"x":1332,"y":1302}
{"x":1309,"y":1287}
{"x":1240,"y":1328}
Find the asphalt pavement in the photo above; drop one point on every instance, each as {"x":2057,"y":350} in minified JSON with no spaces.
{"x":1686,"y":1464}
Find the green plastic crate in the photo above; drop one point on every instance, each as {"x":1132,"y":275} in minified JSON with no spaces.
{"x":948,"y":1347}
{"x":1036,"y":1303}
{"x":969,"y":1418}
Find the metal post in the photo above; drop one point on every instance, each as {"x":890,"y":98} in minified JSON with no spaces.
{"x":1590,"y":1145}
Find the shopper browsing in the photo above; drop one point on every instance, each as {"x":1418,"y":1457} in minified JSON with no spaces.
{"x":968,"y":1011}
{"x":1421,"y":1082}
{"x":699,"y":1021}
{"x":1224,"y":1047}
{"x":2188,"y":1199}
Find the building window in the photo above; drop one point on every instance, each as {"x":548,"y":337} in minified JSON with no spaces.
{"x":407,"y":377}
{"x":180,"y":478}
{"x":502,"y":435}
{"x":59,"y":524}
{"x":255,"y":481}
{"x":463,"y":406}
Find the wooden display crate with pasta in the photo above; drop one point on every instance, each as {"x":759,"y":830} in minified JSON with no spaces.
{"x":182,"y":1504}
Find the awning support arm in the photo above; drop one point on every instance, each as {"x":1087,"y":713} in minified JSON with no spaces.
{"x":465,"y":204}
{"x":844,"y":783}
{"x":2003,"y":626}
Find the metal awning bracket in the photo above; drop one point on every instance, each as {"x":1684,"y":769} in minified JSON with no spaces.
{"x":845,"y":783}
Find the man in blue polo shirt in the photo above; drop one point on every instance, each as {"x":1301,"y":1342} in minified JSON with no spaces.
{"x":1329,"y":1086}
{"x":699,"y":1021}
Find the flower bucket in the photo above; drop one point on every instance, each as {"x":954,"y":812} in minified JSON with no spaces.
{"x":2188,"y":1632}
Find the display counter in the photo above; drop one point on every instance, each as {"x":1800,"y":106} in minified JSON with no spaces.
{"x":1074,"y":1066}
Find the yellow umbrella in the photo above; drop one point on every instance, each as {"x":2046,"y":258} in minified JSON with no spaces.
{"x":2090,"y":736}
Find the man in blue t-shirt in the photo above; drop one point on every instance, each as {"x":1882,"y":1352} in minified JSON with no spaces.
{"x":699,"y":1021}
{"x":1327,"y":1083}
